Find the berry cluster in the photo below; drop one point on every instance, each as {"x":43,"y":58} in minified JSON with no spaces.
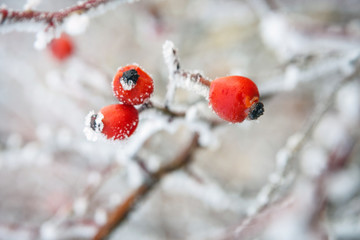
{"x":131,"y":86}
{"x":233,"y":98}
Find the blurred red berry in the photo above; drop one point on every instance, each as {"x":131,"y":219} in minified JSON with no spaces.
{"x":131,"y":85}
{"x":235,"y":98}
{"x":115,"y":121}
{"x":62,"y":47}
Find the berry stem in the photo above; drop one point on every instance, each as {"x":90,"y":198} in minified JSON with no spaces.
{"x":192,"y":81}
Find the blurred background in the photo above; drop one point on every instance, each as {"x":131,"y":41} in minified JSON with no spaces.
{"x":55,"y":184}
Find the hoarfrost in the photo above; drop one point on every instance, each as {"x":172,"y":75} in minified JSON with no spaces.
{"x":313,"y":160}
{"x":80,"y":206}
{"x":135,"y":176}
{"x":31,"y":4}
{"x":43,"y":38}
{"x":76,"y":24}
{"x":94,"y":178}
{"x":330,"y":139}
{"x":100,"y":216}
{"x":347,"y":98}
{"x":48,"y":231}
{"x":209,"y":193}
{"x":114,"y":199}
{"x":91,"y":134}
{"x":15,"y":140}
{"x":341,"y":186}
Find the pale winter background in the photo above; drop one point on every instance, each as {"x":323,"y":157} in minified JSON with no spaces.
{"x":292,"y":174}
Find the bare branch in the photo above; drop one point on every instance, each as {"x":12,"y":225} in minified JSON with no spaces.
{"x":33,"y":21}
{"x":127,"y":206}
{"x":287,"y":155}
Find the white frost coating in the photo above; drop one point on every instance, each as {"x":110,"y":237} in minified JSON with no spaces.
{"x":207,"y":138}
{"x":313,"y":160}
{"x":114,"y":199}
{"x":209,"y":193}
{"x":48,"y":231}
{"x":80,"y":206}
{"x":93,"y":135}
{"x":169,"y":56}
{"x":76,"y":24}
{"x":282,"y":158}
{"x":153,"y":163}
{"x":100,"y":216}
{"x":291,"y":77}
{"x":94,"y":178}
{"x":347,"y":100}
{"x":15,"y":140}
{"x":286,"y":227}
{"x":330,"y":132}
{"x":44,"y":132}
{"x":171,"y":61}
{"x":43,"y":39}
{"x":135,"y":175}
{"x":273,"y":30}
{"x":192,"y":83}
{"x":294,"y":141}
{"x":31,"y":4}
{"x":127,"y":149}
{"x":127,"y":85}
{"x":342,"y":185}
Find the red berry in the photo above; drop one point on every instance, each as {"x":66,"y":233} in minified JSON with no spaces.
{"x":115,"y":121}
{"x":131,"y":85}
{"x":235,"y":98}
{"x":62,"y":47}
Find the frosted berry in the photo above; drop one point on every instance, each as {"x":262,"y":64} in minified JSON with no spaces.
{"x":115,"y":121}
{"x":62,"y":47}
{"x":235,"y":98}
{"x":131,"y":85}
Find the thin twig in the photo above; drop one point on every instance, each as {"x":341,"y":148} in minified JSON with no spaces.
{"x":127,"y":206}
{"x":11,"y":18}
{"x":285,"y":161}
{"x":192,"y":81}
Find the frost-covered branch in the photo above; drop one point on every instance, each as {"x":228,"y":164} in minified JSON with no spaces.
{"x":33,"y":21}
{"x":192,"y":81}
{"x":286,"y":156}
{"x":121,"y":212}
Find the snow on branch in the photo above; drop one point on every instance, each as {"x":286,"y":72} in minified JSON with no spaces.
{"x":189,"y":80}
{"x":127,"y":206}
{"x":34,"y":21}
